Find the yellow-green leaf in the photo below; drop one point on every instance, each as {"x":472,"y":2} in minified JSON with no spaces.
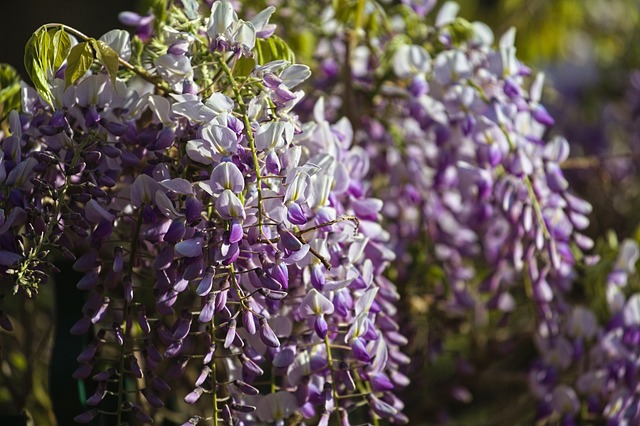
{"x":272,"y":49}
{"x":35,"y":60}
{"x":79,"y":60}
{"x":243,"y":67}
{"x":18,"y":361}
{"x":107,"y":57}
{"x":345,"y":11}
{"x":43,"y":44}
{"x":9,"y":88}
{"x":61,"y":45}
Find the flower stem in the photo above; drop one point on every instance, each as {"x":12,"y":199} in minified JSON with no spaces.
{"x":25,"y":278}
{"x":214,"y":386}
{"x":249,"y":134}
{"x":126,"y":330}
{"x":327,"y":346}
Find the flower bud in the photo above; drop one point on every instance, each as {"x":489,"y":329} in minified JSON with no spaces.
{"x":380,"y":407}
{"x":267,"y":335}
{"x":104,"y":375}
{"x":231,"y":334}
{"x":87,"y":416}
{"x":99,"y":394}
{"x":82,"y":372}
{"x":194,"y":395}
{"x":134,"y":366}
{"x":246,"y":388}
{"x":152,"y":399}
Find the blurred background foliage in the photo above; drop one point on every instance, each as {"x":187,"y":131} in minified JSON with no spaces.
{"x":590,"y":53}
{"x":555,"y":31}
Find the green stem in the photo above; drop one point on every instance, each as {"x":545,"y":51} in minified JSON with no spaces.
{"x":536,"y":207}
{"x":327,"y":346}
{"x":358,"y":23}
{"x":350,"y":109}
{"x":234,"y":282}
{"x":125,"y":308}
{"x":213,"y":378}
{"x":35,"y":253}
{"x":374,"y":416}
{"x":529,"y":185}
{"x":250,"y":138}
{"x":480,"y":91}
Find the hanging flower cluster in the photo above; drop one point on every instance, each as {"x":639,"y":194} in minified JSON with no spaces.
{"x":236,"y":237}
{"x":228,"y":250}
{"x":455,"y":132}
{"x":591,"y":367}
{"x":457,"y":148}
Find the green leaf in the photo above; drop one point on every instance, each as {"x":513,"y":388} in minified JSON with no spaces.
{"x":9,"y":88}
{"x":44,"y":47}
{"x":61,"y":45}
{"x":345,"y":11}
{"x":376,"y":21}
{"x":36,"y":60}
{"x":107,"y":57}
{"x":243,"y":67}
{"x":18,"y":361}
{"x":304,"y":44}
{"x":273,"y":49}
{"x":8,"y":76}
{"x":39,"y":78}
{"x":79,"y":60}
{"x":159,"y":9}
{"x":461,"y":30}
{"x":45,"y":52}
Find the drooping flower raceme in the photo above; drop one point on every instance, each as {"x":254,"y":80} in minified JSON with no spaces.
{"x":592,"y":365}
{"x":454,"y":130}
{"x":226,"y":247}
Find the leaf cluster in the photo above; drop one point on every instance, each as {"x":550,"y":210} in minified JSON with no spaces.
{"x":9,"y":90}
{"x":45,"y":53}
{"x":50,"y":47}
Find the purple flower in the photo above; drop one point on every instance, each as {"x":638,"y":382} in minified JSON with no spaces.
{"x":143,"y":24}
{"x":215,"y":143}
{"x":229,"y":206}
{"x":267,"y":335}
{"x":317,"y":305}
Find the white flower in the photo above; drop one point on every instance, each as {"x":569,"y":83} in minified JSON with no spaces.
{"x":411,"y":60}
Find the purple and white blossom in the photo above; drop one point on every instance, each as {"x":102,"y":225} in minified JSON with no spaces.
{"x":216,"y":233}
